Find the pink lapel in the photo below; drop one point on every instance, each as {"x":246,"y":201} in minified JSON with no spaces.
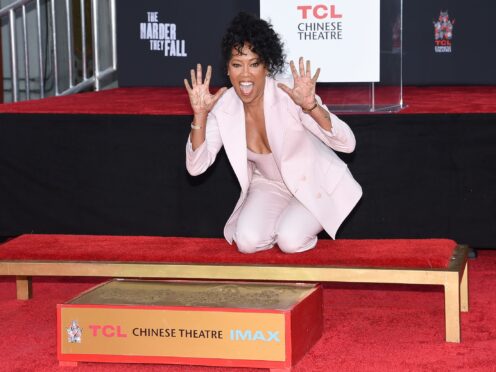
{"x":276,"y":117}
{"x":231,"y":121}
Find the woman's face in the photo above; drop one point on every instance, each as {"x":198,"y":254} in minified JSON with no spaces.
{"x":247,"y":75}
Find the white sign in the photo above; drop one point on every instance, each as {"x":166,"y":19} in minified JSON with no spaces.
{"x":342,"y":37}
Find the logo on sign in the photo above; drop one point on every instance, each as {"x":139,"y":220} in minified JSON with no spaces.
{"x":443,"y":33}
{"x":319,"y":22}
{"x":74,"y":333}
{"x":254,"y":335}
{"x":162,"y":37}
{"x":107,"y":330}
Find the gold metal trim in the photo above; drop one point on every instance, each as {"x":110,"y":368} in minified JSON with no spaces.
{"x":230,"y":272}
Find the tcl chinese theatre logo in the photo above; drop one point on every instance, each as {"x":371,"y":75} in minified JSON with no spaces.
{"x":319,"y":22}
{"x":443,"y":33}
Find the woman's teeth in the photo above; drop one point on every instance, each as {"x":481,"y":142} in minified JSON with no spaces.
{"x":246,"y":88}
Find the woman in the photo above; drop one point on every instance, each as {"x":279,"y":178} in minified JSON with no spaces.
{"x":278,"y":139}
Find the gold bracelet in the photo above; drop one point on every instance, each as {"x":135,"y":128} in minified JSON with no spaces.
{"x":307,"y":111}
{"x":196,"y":127}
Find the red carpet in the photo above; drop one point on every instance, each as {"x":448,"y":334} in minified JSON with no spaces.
{"x":406,"y":253}
{"x":450,"y":100}
{"x":174,"y":101}
{"x":367,"y":328}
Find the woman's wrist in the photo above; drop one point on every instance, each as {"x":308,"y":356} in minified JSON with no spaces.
{"x":200,"y":119}
{"x":200,"y":116}
{"x":322,"y":117}
{"x":307,"y":109}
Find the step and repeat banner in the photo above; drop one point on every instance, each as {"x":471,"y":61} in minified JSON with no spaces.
{"x":444,"y":41}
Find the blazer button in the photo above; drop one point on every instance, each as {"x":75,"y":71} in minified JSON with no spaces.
{"x":303,"y":178}
{"x":318,"y":195}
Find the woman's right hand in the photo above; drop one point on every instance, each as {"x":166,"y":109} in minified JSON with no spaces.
{"x":199,"y":93}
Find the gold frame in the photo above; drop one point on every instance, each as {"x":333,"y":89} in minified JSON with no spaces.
{"x":454,"y":278}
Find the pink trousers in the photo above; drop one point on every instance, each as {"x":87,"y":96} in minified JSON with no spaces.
{"x":271,"y":214}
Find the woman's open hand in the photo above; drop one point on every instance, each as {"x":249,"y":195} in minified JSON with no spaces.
{"x":199,"y":93}
{"x":303,"y":92}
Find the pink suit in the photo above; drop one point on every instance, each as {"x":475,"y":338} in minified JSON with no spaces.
{"x":317,"y":178}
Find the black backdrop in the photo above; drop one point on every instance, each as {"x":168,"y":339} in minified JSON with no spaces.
{"x":201,"y":24}
{"x":423,"y":176}
{"x":473,"y":56}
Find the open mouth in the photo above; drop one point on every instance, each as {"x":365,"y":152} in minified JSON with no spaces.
{"x":246,"y":87}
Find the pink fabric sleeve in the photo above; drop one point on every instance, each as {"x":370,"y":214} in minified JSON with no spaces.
{"x":198,"y":160}
{"x":340,"y":138}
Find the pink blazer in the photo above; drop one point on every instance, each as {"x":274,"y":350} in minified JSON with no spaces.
{"x":311,"y":170}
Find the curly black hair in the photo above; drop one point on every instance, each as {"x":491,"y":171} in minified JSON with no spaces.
{"x":264,"y":41}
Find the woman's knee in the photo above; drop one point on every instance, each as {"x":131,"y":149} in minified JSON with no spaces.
{"x":249,"y":241}
{"x":290,"y":241}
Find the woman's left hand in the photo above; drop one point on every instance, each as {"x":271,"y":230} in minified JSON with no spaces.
{"x":303,"y":92}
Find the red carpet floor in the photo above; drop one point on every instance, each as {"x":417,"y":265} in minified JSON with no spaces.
{"x":174,"y":101}
{"x":367,"y":328}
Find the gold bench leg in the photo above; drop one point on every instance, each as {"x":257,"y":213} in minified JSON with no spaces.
{"x":24,"y":287}
{"x":464,"y":290}
{"x":452,"y":307}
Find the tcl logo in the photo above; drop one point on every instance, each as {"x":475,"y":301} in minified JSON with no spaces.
{"x":318,"y":11}
{"x":107,"y":330}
